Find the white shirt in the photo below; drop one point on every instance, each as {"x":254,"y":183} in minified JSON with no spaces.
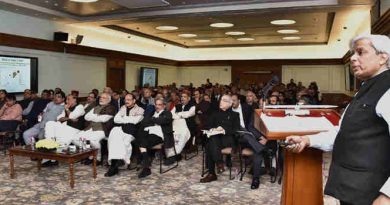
{"x":325,"y":140}
{"x":239,"y":110}
{"x":76,"y":113}
{"x":183,"y":114}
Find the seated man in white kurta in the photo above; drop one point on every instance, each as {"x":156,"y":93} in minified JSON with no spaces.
{"x":119,"y":141}
{"x":184,"y":125}
{"x":100,"y":120}
{"x":68,"y":123}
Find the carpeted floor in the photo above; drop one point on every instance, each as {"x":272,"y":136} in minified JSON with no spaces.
{"x":179,"y":186}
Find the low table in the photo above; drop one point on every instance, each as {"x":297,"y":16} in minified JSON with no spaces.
{"x":70,"y":157}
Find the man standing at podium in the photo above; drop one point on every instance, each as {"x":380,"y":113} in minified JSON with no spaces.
{"x":360,"y":169}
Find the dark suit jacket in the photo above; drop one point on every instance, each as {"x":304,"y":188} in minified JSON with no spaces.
{"x":165,"y":121}
{"x":116,"y":105}
{"x":247,"y":112}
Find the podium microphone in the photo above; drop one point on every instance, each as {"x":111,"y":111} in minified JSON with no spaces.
{"x":271,"y":83}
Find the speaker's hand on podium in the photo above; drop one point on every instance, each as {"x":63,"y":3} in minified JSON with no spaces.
{"x":297,"y":144}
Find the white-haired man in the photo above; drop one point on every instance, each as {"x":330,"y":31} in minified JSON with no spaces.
{"x":360,"y":169}
{"x":100,"y":124}
{"x":227,"y":122}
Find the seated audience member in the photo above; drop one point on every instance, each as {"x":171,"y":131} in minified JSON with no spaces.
{"x":75,"y":93}
{"x":202,"y":112}
{"x":68,"y":123}
{"x":10,"y":114}
{"x":273,"y":100}
{"x":250,"y":100}
{"x":123,"y":93}
{"x":117,"y":101}
{"x":254,"y":142}
{"x":91,"y":102}
{"x":291,"y":85}
{"x":184,"y":126}
{"x":154,"y":129}
{"x":165,"y":93}
{"x":99,"y":126}
{"x":3,"y":93}
{"x":51,"y":94}
{"x":228,"y":122}
{"x":119,"y":141}
{"x":216,"y":98}
{"x":147,"y":101}
{"x":35,"y":108}
{"x":50,"y":113}
{"x":173,"y":101}
{"x":282,"y":99}
{"x":27,"y":98}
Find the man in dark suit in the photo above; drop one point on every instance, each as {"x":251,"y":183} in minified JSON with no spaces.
{"x":117,"y":101}
{"x":155,"y":129}
{"x":255,"y":142}
{"x":226,"y":123}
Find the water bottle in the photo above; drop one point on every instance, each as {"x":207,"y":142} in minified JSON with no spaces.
{"x":81,"y":143}
{"x":32,"y":143}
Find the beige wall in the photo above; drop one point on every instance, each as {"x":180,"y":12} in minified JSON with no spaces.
{"x":180,"y":75}
{"x":198,"y":74}
{"x":166,"y":74}
{"x":329,"y":78}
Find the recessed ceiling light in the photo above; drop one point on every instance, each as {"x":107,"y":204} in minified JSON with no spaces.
{"x":187,"y":35}
{"x":84,"y":1}
{"x":245,"y":39}
{"x":288,"y":31}
{"x":291,"y":38}
{"x":235,"y":33}
{"x":221,"y":25}
{"x":202,"y":40}
{"x":283,"y":22}
{"x":167,"y":28}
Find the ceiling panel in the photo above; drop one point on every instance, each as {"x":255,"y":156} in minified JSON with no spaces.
{"x":314,"y":28}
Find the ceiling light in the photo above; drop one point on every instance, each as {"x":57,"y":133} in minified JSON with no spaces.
{"x":84,"y":1}
{"x":202,"y":40}
{"x":167,"y":28}
{"x":187,"y":35}
{"x":221,"y":25}
{"x":291,"y":38}
{"x":235,"y":33}
{"x":288,"y":31}
{"x":245,"y":39}
{"x":283,"y":22}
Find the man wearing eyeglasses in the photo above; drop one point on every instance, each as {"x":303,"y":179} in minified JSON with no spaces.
{"x":223,"y":121}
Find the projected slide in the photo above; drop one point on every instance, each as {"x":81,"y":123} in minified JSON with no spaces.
{"x":149,"y":77}
{"x":15,"y":73}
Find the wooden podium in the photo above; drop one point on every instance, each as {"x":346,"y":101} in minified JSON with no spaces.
{"x":302,"y":173}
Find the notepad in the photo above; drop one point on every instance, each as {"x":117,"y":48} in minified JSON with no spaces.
{"x":296,"y":124}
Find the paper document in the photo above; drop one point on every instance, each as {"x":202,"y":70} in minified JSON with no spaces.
{"x":296,"y":124}
{"x":212,"y":132}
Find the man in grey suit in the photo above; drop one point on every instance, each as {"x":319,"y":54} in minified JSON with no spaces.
{"x":50,"y":113}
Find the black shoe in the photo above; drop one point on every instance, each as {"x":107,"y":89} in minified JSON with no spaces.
{"x":179,"y":157}
{"x":111,"y":171}
{"x":255,"y":183}
{"x":272,"y":172}
{"x":144,"y":173}
{"x":170,"y":160}
{"x":49,"y":164}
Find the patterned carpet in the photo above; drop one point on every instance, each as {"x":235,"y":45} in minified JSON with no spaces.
{"x":179,"y":186}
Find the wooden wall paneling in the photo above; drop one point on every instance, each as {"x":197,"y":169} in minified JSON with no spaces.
{"x":116,"y":73}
